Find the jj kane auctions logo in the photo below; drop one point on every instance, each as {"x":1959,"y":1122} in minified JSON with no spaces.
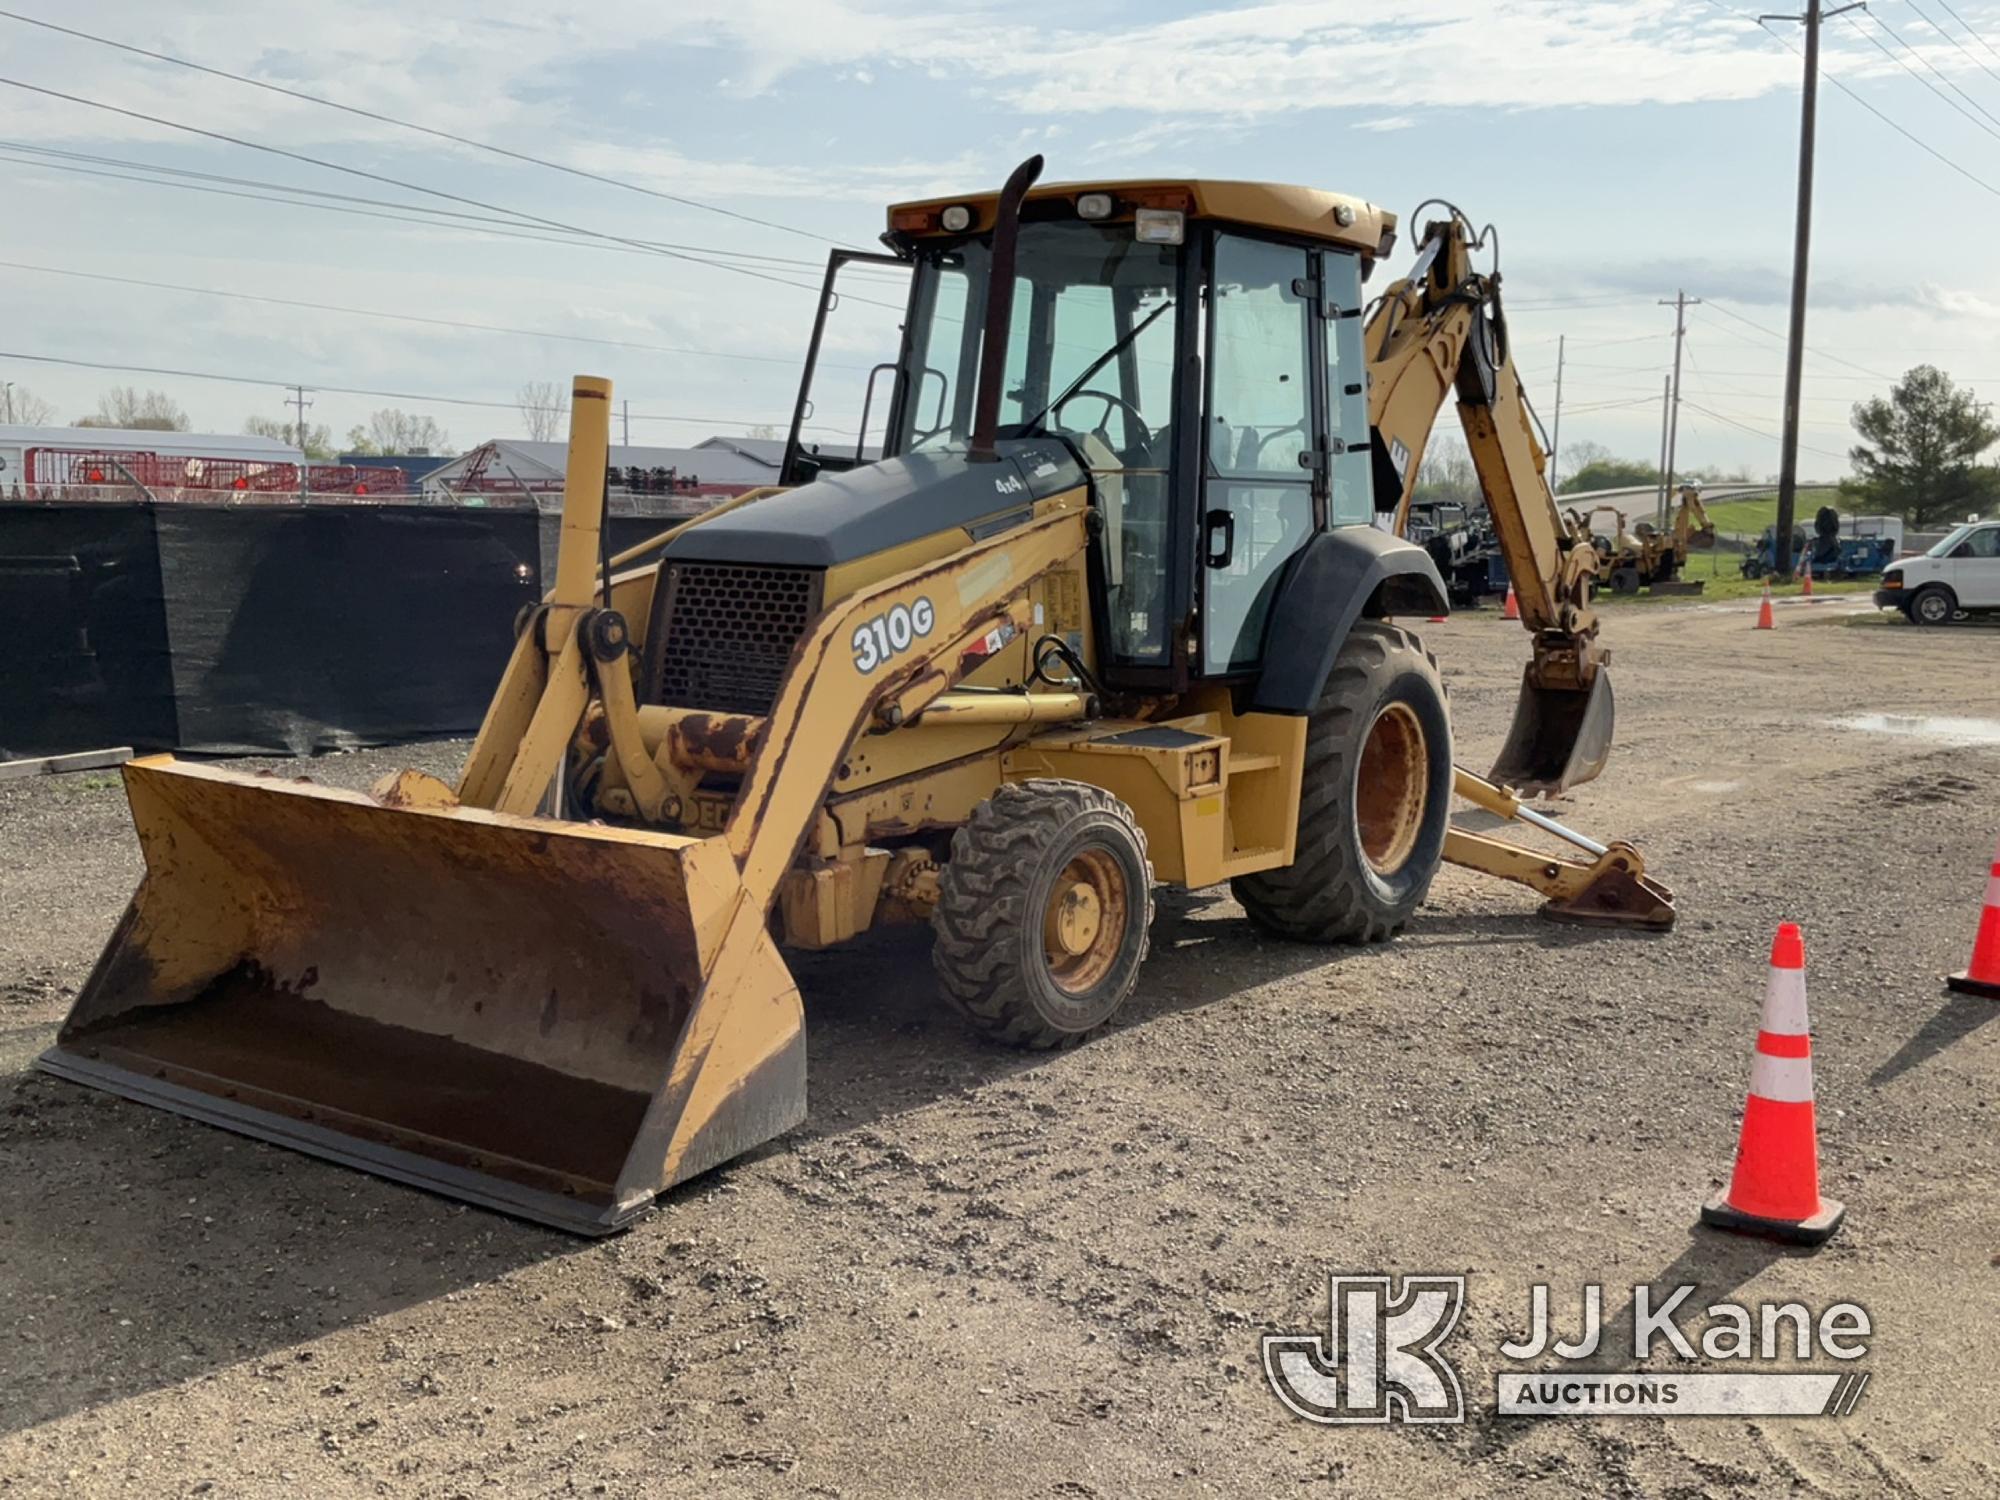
{"x":1382,"y":1359}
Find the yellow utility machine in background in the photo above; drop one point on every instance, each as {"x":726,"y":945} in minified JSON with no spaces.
{"x":1644,"y":557}
{"x":1111,"y":610}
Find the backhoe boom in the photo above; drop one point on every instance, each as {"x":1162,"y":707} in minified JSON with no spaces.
{"x":1438,"y":330}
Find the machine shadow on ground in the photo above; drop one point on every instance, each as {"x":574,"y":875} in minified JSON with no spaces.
{"x":174,"y":1249}
{"x":269,"y":1249}
{"x":148,"y":1250}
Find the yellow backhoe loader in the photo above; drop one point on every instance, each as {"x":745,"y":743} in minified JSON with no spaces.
{"x":1643,"y":556}
{"x":1109,"y":611}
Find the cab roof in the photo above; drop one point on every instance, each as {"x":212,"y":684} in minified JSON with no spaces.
{"x":1310,"y":213}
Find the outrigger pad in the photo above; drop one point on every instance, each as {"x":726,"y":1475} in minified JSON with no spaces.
{"x":1561,"y":737}
{"x":513,"y":1011}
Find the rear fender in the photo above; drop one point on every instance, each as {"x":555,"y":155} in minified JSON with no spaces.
{"x":1338,"y":577}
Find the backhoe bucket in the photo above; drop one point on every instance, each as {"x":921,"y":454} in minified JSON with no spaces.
{"x":512,"y":1011}
{"x":1560,"y":738}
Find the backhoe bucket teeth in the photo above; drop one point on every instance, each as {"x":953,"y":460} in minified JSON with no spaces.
{"x":512,"y":1011}
{"x":1561,"y":737}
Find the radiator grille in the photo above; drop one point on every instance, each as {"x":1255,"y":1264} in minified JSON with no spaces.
{"x":723,"y":633}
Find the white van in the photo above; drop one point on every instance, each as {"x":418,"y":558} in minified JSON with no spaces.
{"x":1960,"y":574}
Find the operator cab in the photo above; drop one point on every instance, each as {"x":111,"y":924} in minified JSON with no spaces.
{"x":1196,"y":346}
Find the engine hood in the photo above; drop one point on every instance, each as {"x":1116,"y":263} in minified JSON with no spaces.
{"x":840,"y":517}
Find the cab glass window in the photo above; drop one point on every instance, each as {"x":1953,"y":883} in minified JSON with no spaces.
{"x":1351,"y":502}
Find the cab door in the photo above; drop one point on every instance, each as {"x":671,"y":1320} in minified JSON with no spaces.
{"x":1975,"y":569}
{"x":1262,"y":466}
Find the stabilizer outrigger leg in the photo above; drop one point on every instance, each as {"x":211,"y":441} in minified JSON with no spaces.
{"x":1612,"y":887}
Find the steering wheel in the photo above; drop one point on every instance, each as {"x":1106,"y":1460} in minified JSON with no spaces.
{"x":1135,"y":424}
{"x":1302,"y":428}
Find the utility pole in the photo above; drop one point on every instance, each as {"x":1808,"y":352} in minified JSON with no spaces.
{"x":1795,"y":345}
{"x":627,"y":414}
{"x":7,"y":397}
{"x":298,"y":400}
{"x":1666,"y":415}
{"x":1681,"y":303}
{"x":1556,"y":432}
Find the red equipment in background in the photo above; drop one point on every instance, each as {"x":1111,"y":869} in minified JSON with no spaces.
{"x":68,"y":469}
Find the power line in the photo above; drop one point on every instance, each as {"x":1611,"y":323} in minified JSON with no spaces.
{"x":1759,"y":432}
{"x":1954,"y":40}
{"x":63,"y":158}
{"x":441,"y":218}
{"x":1914,"y":139}
{"x":443,"y":135}
{"x":352,"y":390}
{"x":365,"y":312}
{"x":1708,"y":393}
{"x":1876,"y":42}
{"x":1968,"y":28}
{"x":1587,"y":406}
{"x":1722,"y":308}
{"x":410,"y":187}
{"x":1543,"y":304}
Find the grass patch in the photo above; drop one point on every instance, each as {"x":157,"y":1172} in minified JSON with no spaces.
{"x":1749,"y":517}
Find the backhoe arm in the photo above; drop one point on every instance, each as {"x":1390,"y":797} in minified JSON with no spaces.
{"x":1441,"y":329}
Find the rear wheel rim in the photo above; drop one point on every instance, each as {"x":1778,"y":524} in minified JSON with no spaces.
{"x":1083,"y":923}
{"x":1392,"y":788}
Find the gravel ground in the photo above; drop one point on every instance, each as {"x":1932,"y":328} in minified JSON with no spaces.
{"x":976,"y":1272}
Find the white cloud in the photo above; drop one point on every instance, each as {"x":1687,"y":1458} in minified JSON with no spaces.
{"x":1391,"y":122}
{"x":1301,"y":54}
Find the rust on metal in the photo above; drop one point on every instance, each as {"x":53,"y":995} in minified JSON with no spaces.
{"x":715,"y":742}
{"x":1618,"y":893}
{"x":412,"y":789}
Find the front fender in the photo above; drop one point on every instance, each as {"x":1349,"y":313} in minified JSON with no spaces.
{"x":1334,"y":580}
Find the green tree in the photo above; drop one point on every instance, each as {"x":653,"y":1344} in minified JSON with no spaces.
{"x":1608,"y":473}
{"x":316,"y":442}
{"x":1920,"y":443}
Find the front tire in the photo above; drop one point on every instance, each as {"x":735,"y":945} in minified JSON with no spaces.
{"x":1374,"y":800}
{"x":1043,"y":913}
{"x":1934,"y":604}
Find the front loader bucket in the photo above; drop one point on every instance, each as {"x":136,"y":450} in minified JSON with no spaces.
{"x":1560,"y":738}
{"x":512,"y":1011}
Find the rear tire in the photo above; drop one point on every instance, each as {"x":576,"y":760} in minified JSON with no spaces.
{"x":1374,"y":801}
{"x":1043,"y":913}
{"x":1934,"y":604}
{"x":1624,"y":580}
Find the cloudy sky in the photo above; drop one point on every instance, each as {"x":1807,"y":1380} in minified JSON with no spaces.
{"x":1624,"y":150}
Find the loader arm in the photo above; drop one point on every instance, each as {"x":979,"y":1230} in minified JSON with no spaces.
{"x":1441,"y":329}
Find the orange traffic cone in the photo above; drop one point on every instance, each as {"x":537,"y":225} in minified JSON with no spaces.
{"x":1805,"y":576}
{"x":1982,"y":975}
{"x":1775,"y":1189}
{"x":1765,"y":621}
{"x":1511,"y":610}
